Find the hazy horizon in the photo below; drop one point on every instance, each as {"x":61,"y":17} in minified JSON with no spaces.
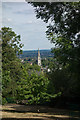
{"x":35,"y":49}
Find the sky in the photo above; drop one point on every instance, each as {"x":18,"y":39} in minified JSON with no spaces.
{"x":13,"y":0}
{"x":20,"y":16}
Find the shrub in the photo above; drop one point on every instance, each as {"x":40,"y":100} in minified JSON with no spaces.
{"x":4,"y":101}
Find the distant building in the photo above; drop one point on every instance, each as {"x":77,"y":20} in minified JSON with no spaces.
{"x":22,"y":60}
{"x":31,"y":63}
{"x":43,"y":69}
{"x":39,"y":58}
{"x":48,"y":70}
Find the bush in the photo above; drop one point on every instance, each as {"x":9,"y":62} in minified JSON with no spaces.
{"x":4,"y":101}
{"x":10,"y":100}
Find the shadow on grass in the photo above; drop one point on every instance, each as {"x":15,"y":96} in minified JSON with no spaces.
{"x":73,"y":115}
{"x":46,"y":118}
{"x":35,"y":109}
{"x":21,"y":119}
{"x":15,"y":111}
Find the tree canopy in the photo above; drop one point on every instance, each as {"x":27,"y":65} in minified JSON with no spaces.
{"x":63,"y":17}
{"x":20,"y":81}
{"x":64,"y":31}
{"x":11,"y":66}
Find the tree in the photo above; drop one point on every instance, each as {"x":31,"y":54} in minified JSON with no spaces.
{"x":63,"y":17}
{"x":20,"y":81}
{"x":33,"y":67}
{"x":11,"y":67}
{"x":34,"y":89}
{"x":64,"y":31}
{"x":0,"y":71}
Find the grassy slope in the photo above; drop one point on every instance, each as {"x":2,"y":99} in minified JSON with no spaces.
{"x":21,"y":112}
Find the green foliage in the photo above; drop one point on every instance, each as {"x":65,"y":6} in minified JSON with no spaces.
{"x":20,"y":81}
{"x":63,"y":17}
{"x":34,"y":88}
{"x":46,"y":61}
{"x":4,"y":101}
{"x":11,"y":67}
{"x":10,"y":40}
{"x":64,"y":31}
{"x":32,"y":67}
{"x":10,"y":99}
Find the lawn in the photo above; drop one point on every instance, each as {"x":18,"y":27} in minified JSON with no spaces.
{"x":26,"y":112}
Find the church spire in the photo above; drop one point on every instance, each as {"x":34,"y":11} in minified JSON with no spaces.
{"x":39,"y":58}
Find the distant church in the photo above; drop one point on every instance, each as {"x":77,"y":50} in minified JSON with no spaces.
{"x":39,"y":63}
{"x":39,"y":58}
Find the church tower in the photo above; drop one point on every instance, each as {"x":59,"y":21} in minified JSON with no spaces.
{"x":39,"y":58}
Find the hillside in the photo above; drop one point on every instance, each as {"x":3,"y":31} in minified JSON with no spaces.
{"x":34,"y":53}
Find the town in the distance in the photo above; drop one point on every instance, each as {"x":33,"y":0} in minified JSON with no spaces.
{"x":38,"y":57}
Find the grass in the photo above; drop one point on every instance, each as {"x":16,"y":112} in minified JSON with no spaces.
{"x":26,"y":112}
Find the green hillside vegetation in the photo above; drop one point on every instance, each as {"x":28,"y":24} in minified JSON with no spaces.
{"x":34,"y":53}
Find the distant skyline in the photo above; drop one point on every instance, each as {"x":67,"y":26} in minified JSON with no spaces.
{"x":20,"y":16}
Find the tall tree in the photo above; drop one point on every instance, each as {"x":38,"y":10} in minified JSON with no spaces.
{"x":63,"y":17}
{"x":64,"y":31}
{"x":11,"y":66}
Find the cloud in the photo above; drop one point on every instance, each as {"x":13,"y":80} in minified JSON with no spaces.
{"x":6,"y":20}
{"x":9,"y":19}
{"x":26,"y":12}
{"x":29,"y":22}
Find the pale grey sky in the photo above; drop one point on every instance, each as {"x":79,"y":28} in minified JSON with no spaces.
{"x":13,"y":0}
{"x":20,"y":16}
